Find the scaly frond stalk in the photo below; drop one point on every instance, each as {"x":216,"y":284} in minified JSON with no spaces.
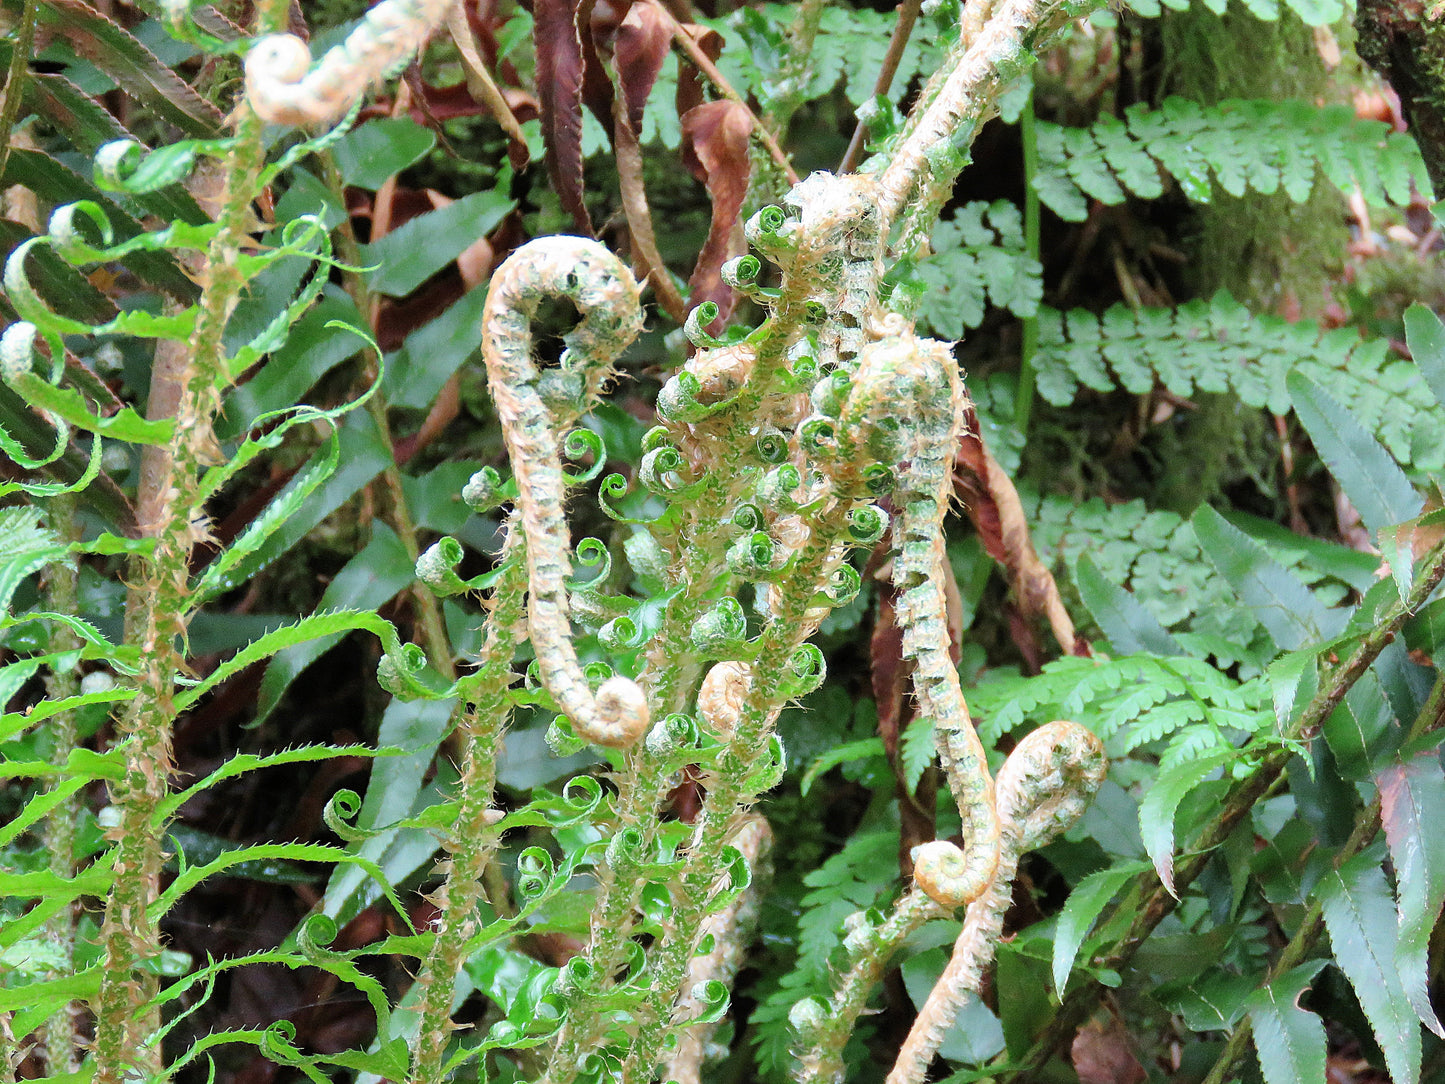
{"x":128,"y":933}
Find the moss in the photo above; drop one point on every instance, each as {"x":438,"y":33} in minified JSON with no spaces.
{"x":1269,"y":252}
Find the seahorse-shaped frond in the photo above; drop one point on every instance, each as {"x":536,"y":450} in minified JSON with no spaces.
{"x":905,"y":411}
{"x":283,"y":87}
{"x":534,"y":405}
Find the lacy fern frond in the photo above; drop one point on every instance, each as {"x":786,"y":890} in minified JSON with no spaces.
{"x":978,"y":256}
{"x":1220,"y":346}
{"x":1130,"y":701}
{"x":1311,"y":12}
{"x":1238,"y":145}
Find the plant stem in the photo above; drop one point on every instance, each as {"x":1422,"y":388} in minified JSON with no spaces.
{"x":790,"y":627}
{"x":1313,"y":925}
{"x":471,"y":840}
{"x":907,"y":16}
{"x":61,"y":589}
{"x":15,"y":76}
{"x":1149,"y":901}
{"x":431,"y":624}
{"x":128,"y":934}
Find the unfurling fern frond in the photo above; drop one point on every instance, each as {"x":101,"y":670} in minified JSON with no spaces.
{"x":1220,"y":346}
{"x":1239,"y":145}
{"x":848,"y":882}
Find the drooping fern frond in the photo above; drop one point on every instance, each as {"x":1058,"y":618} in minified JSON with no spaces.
{"x":1220,"y":346}
{"x":1240,"y":145}
{"x":1311,"y":12}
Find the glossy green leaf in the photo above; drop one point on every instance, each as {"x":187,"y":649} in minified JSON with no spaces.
{"x":1289,"y":1040}
{"x":1156,"y":812}
{"x":378,"y":149}
{"x":1283,"y":605}
{"x":434,"y":352}
{"x":1412,"y":807}
{"x":1086,"y":902}
{"x":1129,"y":626}
{"x":1214,"y":1001}
{"x":1369,"y":476}
{"x":412,"y":253}
{"x":1425,"y":335}
{"x":1360,"y":916}
{"x":1371,"y":479}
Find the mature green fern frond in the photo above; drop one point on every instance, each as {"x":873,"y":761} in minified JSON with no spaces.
{"x":978,"y":255}
{"x":849,"y":47}
{"x":1130,"y":701}
{"x":1239,"y":144}
{"x":1219,"y":346}
{"x":1311,"y":12}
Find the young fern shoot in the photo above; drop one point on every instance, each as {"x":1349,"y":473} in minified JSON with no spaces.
{"x":283,"y":87}
{"x":907,"y":407}
{"x":1043,"y":788}
{"x":534,"y":406}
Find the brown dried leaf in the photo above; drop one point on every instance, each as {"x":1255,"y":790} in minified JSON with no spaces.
{"x":559,"y":92}
{"x":639,"y":216}
{"x":480,"y":84}
{"x":715,"y":148}
{"x":596,"y":83}
{"x":993,"y":504}
{"x":1101,"y":1055}
{"x":641,"y":45}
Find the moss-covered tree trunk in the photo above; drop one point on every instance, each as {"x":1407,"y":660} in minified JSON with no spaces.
{"x":1404,"y":40}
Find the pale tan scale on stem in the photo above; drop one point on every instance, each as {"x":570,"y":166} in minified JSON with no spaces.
{"x":534,"y":406}
{"x":723,"y":693}
{"x":284,"y":88}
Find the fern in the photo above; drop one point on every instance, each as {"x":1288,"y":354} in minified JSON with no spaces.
{"x":848,"y":48}
{"x":1131,"y":702}
{"x":849,"y":881}
{"x":1239,"y":145}
{"x":1311,"y":12}
{"x":978,"y":255}
{"x":1219,"y":346}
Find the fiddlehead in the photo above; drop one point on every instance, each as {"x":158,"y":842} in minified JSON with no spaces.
{"x":1042,"y":789}
{"x":906,"y":407}
{"x":283,"y":87}
{"x":534,"y":405}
